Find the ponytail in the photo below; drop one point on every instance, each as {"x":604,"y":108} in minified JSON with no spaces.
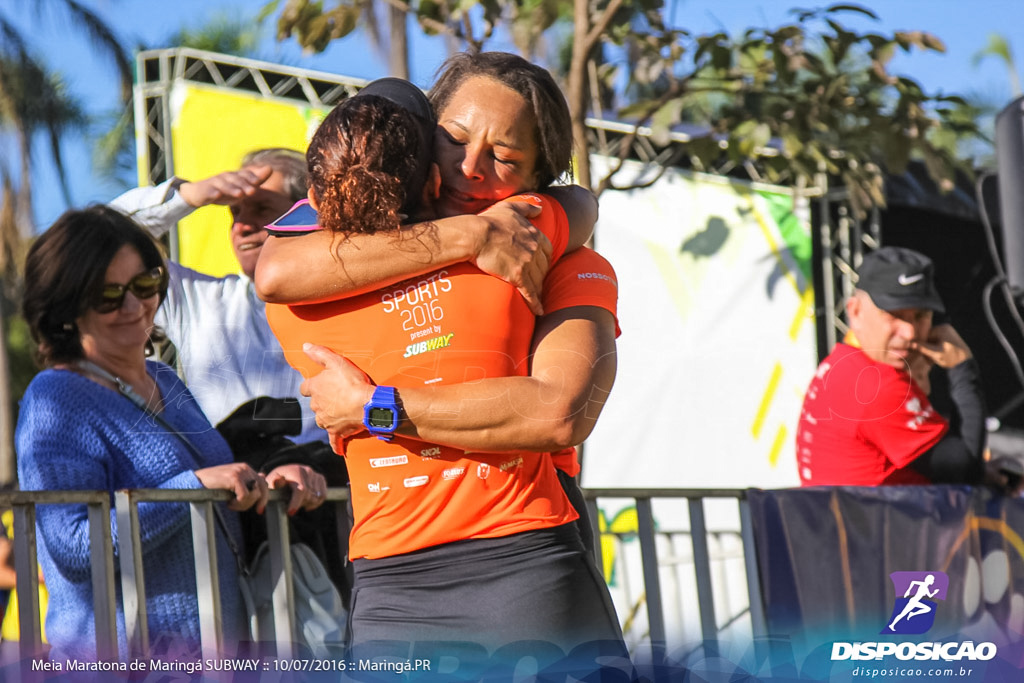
{"x":361,"y":199}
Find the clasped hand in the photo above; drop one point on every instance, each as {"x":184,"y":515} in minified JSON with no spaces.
{"x":337,"y":393}
{"x":252,"y":488}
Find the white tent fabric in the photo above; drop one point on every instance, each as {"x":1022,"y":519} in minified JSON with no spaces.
{"x":717,"y":342}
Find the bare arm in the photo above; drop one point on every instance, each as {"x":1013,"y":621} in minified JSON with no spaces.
{"x":321,"y":266}
{"x":225,"y":188}
{"x":581,"y":208}
{"x":556,"y":407}
{"x":157,"y":209}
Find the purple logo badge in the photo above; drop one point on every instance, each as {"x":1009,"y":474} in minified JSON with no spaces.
{"x":916,"y":593}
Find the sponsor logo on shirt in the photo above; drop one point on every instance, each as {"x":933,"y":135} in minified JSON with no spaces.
{"x":429,"y":345}
{"x":389,"y":462}
{"x":413,"y":482}
{"x":415,"y":293}
{"x":511,"y":464}
{"x":823,"y":370}
{"x":596,"y":276}
{"x":431,"y":452}
{"x":422,"y":333}
{"x":919,"y":412}
{"x":453,"y":473}
{"x":375,"y":487}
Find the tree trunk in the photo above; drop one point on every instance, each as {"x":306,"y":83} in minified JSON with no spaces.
{"x":19,"y":204}
{"x":8,"y":464}
{"x":398,"y":55}
{"x":577,"y":94}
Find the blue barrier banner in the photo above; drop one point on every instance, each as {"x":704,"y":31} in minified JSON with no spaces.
{"x":892,"y":583}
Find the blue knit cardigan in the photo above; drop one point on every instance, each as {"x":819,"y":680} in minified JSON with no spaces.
{"x":72,"y":434}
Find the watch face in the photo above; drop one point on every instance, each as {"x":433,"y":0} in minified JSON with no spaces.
{"x":381,"y":418}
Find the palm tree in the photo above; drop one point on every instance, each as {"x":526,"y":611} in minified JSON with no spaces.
{"x":33,"y":103}
{"x":998,"y":46}
{"x":114,"y":148}
{"x":984,"y":104}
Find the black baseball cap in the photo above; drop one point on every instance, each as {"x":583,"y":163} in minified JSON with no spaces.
{"x":413,"y":100}
{"x":404,"y":94}
{"x":896,"y":277}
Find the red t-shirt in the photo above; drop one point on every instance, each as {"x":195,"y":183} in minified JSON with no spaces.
{"x":454,"y":325}
{"x":862,"y":423}
{"x":581,"y":278}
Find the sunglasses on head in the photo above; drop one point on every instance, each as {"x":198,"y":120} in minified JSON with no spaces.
{"x":142,"y":286}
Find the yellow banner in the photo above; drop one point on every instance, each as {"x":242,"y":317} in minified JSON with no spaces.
{"x":211,"y":131}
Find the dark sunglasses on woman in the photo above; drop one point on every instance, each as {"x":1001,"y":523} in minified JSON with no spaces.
{"x":142,"y":286}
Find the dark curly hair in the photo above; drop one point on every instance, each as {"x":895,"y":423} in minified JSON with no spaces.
{"x":553,"y":122}
{"x":361,"y":160}
{"x":65,"y":271}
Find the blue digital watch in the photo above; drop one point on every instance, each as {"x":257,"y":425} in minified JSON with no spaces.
{"x":381,"y":413}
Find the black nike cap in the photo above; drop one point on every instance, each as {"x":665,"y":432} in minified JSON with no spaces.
{"x":897,"y":277}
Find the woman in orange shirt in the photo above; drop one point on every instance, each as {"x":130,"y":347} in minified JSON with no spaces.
{"x":428,"y":515}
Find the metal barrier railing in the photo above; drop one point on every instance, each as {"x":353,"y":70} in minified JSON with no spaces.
{"x":647,"y":533}
{"x":204,"y":530}
{"x":101,"y":550}
{"x":204,"y":546}
{"x":129,"y":554}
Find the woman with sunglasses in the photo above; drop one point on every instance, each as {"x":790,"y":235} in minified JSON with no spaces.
{"x":100,"y":417}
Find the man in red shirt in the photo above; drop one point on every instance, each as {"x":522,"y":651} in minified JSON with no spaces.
{"x":866,"y":420}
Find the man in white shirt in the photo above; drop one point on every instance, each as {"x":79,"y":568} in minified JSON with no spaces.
{"x":226,"y":351}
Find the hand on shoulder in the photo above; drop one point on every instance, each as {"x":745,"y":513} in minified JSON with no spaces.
{"x":511,"y":248}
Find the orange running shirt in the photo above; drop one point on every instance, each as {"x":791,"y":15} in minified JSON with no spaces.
{"x":581,"y":278}
{"x":454,"y":325}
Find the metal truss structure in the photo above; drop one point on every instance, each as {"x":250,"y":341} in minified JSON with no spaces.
{"x":840,"y":239}
{"x":158,"y":70}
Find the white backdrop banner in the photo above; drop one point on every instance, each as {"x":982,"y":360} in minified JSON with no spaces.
{"x":718,"y":343}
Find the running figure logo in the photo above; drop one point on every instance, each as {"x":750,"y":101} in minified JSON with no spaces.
{"x":914,"y":612}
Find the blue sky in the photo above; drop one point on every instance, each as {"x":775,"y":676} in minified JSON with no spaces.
{"x":963,"y":25}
